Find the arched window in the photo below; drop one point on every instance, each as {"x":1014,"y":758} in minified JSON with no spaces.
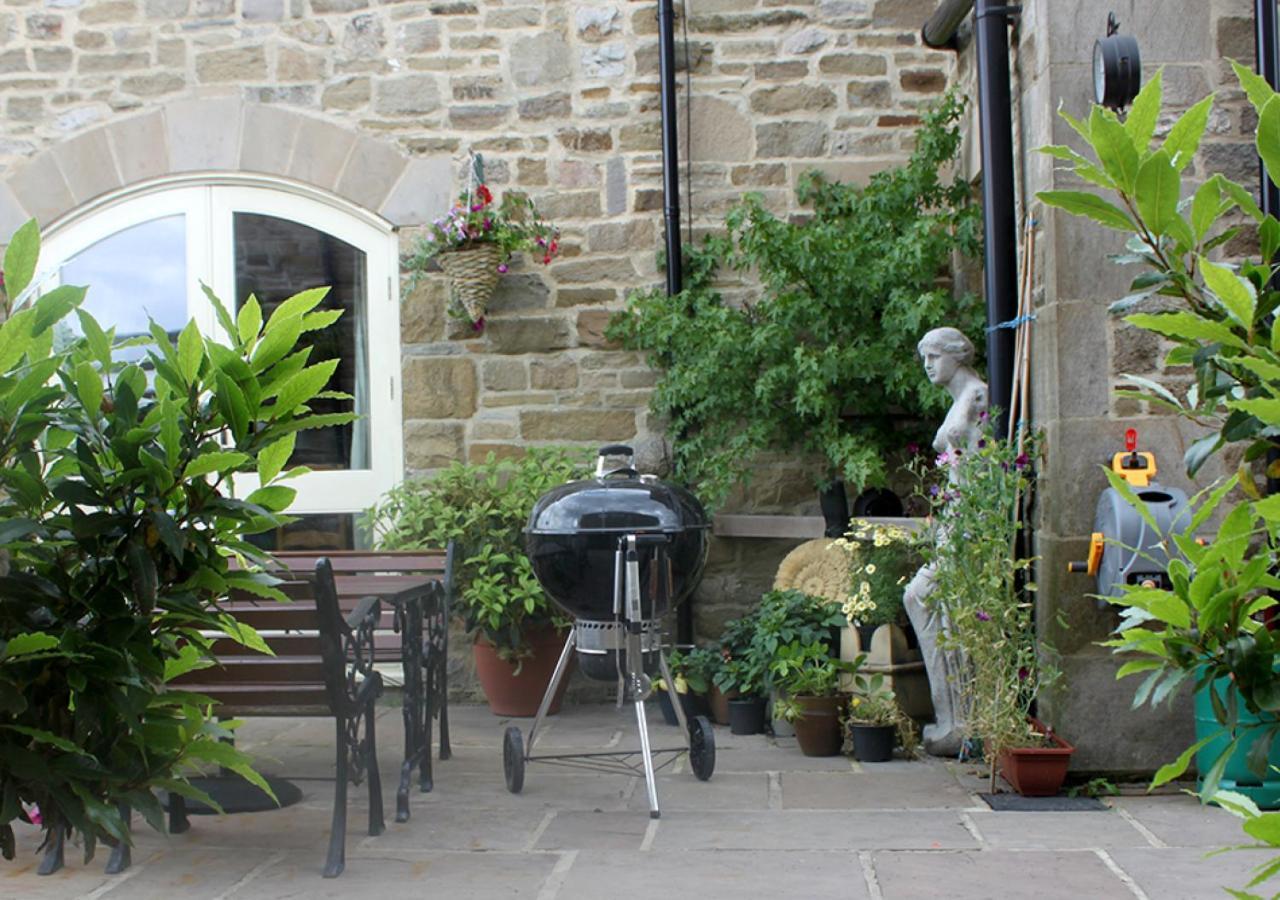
{"x":145,"y":253}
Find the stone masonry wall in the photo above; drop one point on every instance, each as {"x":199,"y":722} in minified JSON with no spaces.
{"x":562,"y":100}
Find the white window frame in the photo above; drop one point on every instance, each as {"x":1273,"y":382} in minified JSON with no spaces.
{"x":208,"y":202}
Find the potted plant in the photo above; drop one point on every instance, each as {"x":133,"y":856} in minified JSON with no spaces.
{"x":823,"y":363}
{"x":474,"y":241}
{"x":876,"y":723}
{"x":484,"y":507}
{"x":972,"y":546}
{"x":118,"y":523}
{"x":1205,"y":627}
{"x":741,"y":679}
{"x":689,"y":671}
{"x":735,"y":641}
{"x":791,"y":616}
{"x":882,"y":559}
{"x":810,"y":678}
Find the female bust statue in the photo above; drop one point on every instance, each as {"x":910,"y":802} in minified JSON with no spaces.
{"x":947,"y":355}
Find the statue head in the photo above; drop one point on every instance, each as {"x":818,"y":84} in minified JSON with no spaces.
{"x":944,"y":351}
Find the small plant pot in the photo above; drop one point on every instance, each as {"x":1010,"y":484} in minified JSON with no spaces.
{"x":818,"y":728}
{"x":746,"y":716}
{"x":693,"y":706}
{"x":719,"y":704}
{"x":873,"y":743}
{"x":781,"y":727}
{"x":1037,"y":771}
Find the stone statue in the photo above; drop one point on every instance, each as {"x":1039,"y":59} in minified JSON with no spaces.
{"x":947,"y":355}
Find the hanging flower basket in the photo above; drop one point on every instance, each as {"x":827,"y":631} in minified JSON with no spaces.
{"x":473,"y":276}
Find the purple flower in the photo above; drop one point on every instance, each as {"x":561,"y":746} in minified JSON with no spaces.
{"x":983,"y":616}
{"x":913,"y":448}
{"x":502,"y":268}
{"x":488,"y":224}
{"x":1022,"y":461}
{"x":478,"y":324}
{"x":934,"y":490}
{"x":477,"y":207}
{"x":982,"y":442}
{"x":984,"y":416}
{"x":1023,"y":673}
{"x":944,"y":458}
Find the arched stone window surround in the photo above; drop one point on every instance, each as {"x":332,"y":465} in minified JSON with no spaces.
{"x":223,"y":135}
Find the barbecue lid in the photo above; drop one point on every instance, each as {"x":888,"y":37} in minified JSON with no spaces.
{"x":617,"y":500}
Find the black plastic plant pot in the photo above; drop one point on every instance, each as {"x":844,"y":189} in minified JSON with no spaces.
{"x":746,"y":716}
{"x":873,"y":743}
{"x":694,"y":705}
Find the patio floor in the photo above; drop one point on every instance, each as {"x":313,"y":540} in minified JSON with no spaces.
{"x":771,"y":823}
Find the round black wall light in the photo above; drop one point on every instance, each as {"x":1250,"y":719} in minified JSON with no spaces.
{"x":1117,"y":67}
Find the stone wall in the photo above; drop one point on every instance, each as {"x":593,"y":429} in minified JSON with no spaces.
{"x":380,"y":102}
{"x":1080,"y":351}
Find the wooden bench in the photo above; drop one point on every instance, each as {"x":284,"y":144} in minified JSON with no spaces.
{"x":323,"y":667}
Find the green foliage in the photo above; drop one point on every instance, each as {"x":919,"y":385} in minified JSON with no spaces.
{"x":750,"y":644}
{"x":484,"y":507}
{"x":1221,"y":324}
{"x":971,"y":545}
{"x":117,"y":518}
{"x":826,"y":361}
{"x":1095,"y":787}
{"x":693,"y":669}
{"x":1223,"y":327}
{"x":808,"y":669}
{"x":882,"y":559}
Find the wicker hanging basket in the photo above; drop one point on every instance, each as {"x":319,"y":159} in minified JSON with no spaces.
{"x":473,"y":275}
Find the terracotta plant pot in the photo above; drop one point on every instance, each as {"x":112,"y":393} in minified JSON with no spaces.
{"x":818,"y":728}
{"x":1037,"y":771}
{"x":518,"y":694}
{"x":719,"y":704}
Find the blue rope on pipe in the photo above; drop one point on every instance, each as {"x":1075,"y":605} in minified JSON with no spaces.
{"x":1013,"y":323}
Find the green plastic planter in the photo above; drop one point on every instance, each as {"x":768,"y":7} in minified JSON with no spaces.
{"x":1237,"y":775}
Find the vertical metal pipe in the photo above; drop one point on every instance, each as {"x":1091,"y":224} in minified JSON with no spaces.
{"x":1268,"y":50}
{"x":1000,"y":278}
{"x":671,"y":203}
{"x":670,"y":144}
{"x":1267,"y":45}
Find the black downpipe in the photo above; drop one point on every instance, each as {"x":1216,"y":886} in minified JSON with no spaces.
{"x":999,"y":219}
{"x":671,"y":206}
{"x":1267,"y":45}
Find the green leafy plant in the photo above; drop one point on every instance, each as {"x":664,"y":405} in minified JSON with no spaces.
{"x":1222,"y":326}
{"x":484,"y":507}
{"x":971,"y":543}
{"x":874,"y":703}
{"x":1095,"y":787}
{"x":117,"y":519}
{"x":881,"y":560}
{"x":786,"y":617}
{"x":808,"y":669}
{"x":825,"y":361}
{"x":692,"y":669}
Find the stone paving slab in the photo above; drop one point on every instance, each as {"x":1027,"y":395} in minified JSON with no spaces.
{"x":1180,"y":821}
{"x":997,"y":875}
{"x":590,"y":831}
{"x":403,"y":875}
{"x":812,"y":830}
{"x":891,"y":786}
{"x":1181,"y":874}
{"x":740,"y":875}
{"x":197,"y":874}
{"x":681,"y":792}
{"x":544,"y":788}
{"x":1055,"y":831}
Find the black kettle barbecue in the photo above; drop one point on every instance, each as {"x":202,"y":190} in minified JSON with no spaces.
{"x":616,"y":552}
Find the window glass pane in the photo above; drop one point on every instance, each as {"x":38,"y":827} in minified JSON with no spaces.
{"x":134,"y":275}
{"x":321,"y":531}
{"x":276,"y":258}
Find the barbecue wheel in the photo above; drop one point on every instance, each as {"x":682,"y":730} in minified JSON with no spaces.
{"x":513,"y":759}
{"x":702,"y":747}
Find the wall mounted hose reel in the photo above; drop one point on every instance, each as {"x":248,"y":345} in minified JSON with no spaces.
{"x":1124,"y":549}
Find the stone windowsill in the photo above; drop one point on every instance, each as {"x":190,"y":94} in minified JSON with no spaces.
{"x":795,"y":527}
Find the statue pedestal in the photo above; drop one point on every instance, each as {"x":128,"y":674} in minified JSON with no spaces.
{"x":902,"y":668}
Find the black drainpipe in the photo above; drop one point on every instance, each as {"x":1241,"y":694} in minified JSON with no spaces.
{"x":999,"y":214}
{"x":1267,"y":45}
{"x":671,"y":206}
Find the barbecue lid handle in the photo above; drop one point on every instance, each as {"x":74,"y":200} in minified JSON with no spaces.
{"x":615,"y":450}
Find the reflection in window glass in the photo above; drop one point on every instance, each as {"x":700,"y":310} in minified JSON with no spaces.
{"x":133,"y":276}
{"x":324,"y":531}
{"x":276,"y":258}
